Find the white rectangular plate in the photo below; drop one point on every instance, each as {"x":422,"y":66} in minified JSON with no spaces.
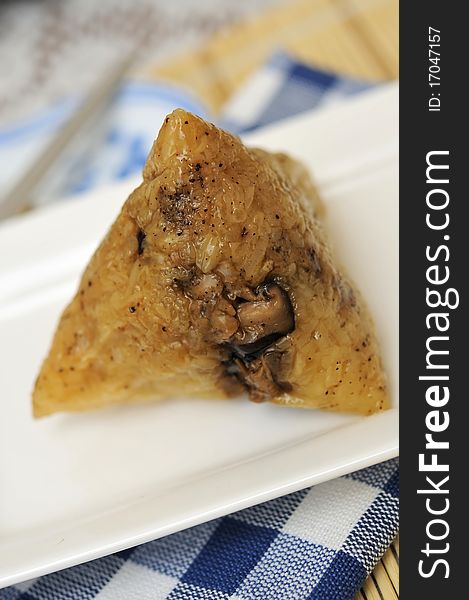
{"x":76,"y":487}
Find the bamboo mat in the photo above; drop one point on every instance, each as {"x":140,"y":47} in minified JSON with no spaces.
{"x":351,"y":37}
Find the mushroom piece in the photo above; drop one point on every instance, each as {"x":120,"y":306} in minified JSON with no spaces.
{"x":256,"y":378}
{"x":259,"y":375}
{"x":262,"y":321}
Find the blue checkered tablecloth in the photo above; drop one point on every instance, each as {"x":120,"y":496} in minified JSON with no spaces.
{"x":318,"y":543}
{"x":282,"y":88}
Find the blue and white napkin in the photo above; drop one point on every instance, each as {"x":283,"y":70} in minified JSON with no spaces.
{"x":318,"y":543}
{"x":282,"y":88}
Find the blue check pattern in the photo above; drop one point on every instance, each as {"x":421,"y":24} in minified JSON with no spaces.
{"x":319,"y":543}
{"x":283,"y":88}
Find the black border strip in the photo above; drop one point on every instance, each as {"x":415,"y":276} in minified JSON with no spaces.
{"x":424,"y":246}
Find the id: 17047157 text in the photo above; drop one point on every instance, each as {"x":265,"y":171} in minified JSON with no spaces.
{"x":434,"y":101}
